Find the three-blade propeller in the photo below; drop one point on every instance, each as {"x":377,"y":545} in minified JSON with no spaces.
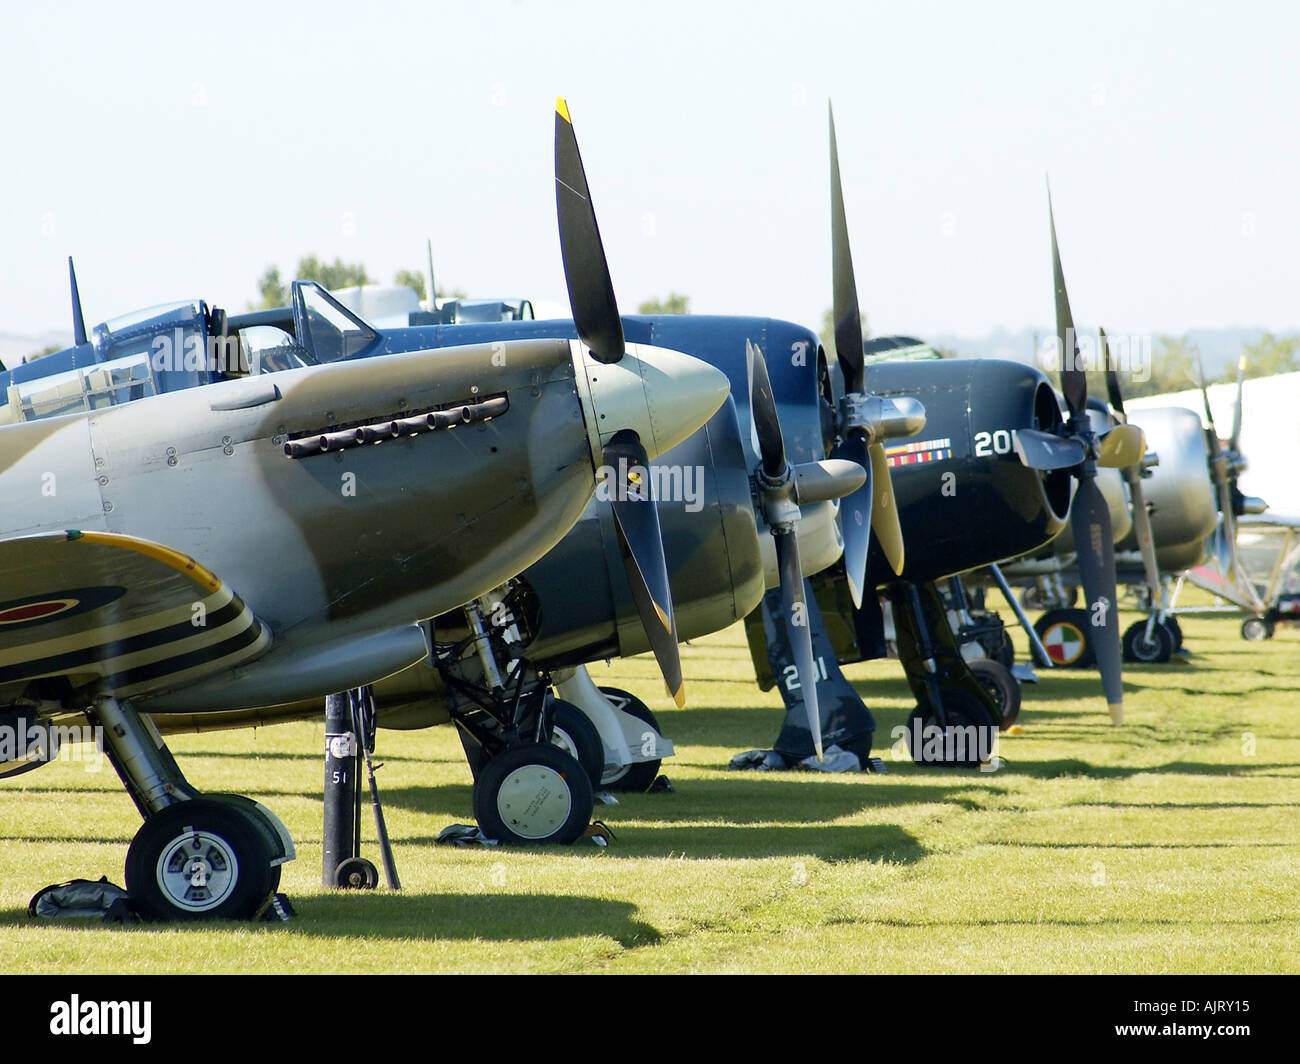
{"x":778,"y":484}
{"x":1224,"y":466}
{"x":872,"y":507}
{"x":595,"y":313}
{"x":1089,"y":514}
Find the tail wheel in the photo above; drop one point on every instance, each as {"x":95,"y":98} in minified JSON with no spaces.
{"x":199,"y":860}
{"x":1064,"y":634}
{"x":635,"y":778}
{"x":965,"y":742}
{"x":356,"y":873}
{"x":533,"y":794}
{"x":997,"y":680}
{"x":1154,"y":651}
{"x":574,"y":733}
{"x":1256,"y":629}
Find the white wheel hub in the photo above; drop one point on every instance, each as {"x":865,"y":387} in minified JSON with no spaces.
{"x":534,"y":801}
{"x":197,"y":871}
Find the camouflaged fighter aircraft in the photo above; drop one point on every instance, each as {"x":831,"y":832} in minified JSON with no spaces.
{"x":755,"y":513}
{"x":177,"y":549}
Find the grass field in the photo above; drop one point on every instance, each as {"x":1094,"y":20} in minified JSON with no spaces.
{"x":1171,"y":844}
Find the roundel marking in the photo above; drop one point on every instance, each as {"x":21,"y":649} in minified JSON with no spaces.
{"x":37,"y":611}
{"x":1064,"y":642}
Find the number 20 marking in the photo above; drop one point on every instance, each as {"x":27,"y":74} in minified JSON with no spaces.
{"x":990,"y":443}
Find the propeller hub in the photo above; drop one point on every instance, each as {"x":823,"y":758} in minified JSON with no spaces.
{"x":777,"y":498}
{"x":881,"y":418}
{"x":661,"y":395}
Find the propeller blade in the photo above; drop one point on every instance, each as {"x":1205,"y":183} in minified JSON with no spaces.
{"x":884,"y":512}
{"x":1234,"y":441}
{"x":830,"y":478}
{"x":78,"y":321}
{"x":1142,"y":528}
{"x":1122,"y":446}
{"x":762,"y":408}
{"x":855,"y":516}
{"x":797,"y":624}
{"x":848,"y":319}
{"x":1205,"y":395}
{"x":640,"y":542}
{"x":1074,"y":382}
{"x":591,"y":292}
{"x":1113,"y":391}
{"x":1090,"y":523}
{"x":1046,"y":451}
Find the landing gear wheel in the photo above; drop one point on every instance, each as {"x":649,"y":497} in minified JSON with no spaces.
{"x":1137,"y":648}
{"x":1256,"y":629}
{"x":574,"y":733}
{"x":1065,"y":636}
{"x":356,"y":873}
{"x":967,"y":740}
{"x":199,"y":860}
{"x":1175,"y":630}
{"x":632,"y":779}
{"x":997,"y":680}
{"x":532,"y":794}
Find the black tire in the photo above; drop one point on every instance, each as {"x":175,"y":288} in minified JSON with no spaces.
{"x":1137,"y":649}
{"x":636,"y":778}
{"x":997,"y":680}
{"x":574,"y":733}
{"x":1175,"y":630}
{"x":963,"y":711}
{"x":270,"y":835}
{"x":1256,"y":629}
{"x":234,"y":855}
{"x":1068,"y":633}
{"x":356,"y":873}
{"x":511,"y":796}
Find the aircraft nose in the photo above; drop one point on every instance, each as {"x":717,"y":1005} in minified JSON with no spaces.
{"x":661,"y":395}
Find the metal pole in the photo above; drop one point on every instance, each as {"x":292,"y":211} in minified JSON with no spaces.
{"x":1036,"y":644}
{"x":338,"y":834}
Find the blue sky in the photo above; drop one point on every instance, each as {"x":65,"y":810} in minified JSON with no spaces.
{"x":175,"y":153}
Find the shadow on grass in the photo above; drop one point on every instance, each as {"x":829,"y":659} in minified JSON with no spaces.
{"x":494,"y":916}
{"x":1063,"y":767}
{"x":697,"y":842}
{"x":757,"y":798}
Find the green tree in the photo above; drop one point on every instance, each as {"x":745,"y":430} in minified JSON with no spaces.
{"x":673,"y":304}
{"x":1173,"y":369}
{"x":48,"y":349}
{"x":1268,"y":355}
{"x":331,"y":275}
{"x":412,"y":279}
{"x":271,"y":290}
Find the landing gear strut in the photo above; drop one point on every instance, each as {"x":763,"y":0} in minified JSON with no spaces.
{"x":197,"y":856}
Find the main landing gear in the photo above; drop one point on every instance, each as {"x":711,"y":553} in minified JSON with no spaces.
{"x":197,"y":856}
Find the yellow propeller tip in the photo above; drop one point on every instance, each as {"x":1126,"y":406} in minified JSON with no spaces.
{"x":562,"y":109}
{"x":1116,"y":712}
{"x":1015,"y":729}
{"x":679,"y":697}
{"x":664,"y":617}
{"x":820,"y":758}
